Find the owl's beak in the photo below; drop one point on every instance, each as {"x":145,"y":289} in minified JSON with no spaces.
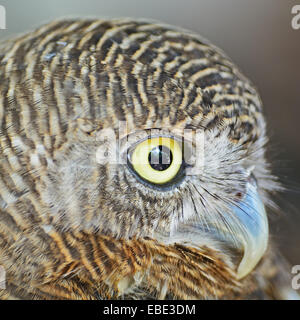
{"x":244,"y":231}
{"x":254,"y":231}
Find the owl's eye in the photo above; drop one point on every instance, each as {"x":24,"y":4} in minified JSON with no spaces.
{"x":157,"y":160}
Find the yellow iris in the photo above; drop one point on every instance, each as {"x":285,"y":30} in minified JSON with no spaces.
{"x":142,"y":159}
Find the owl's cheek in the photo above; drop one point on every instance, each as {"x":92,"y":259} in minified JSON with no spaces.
{"x":244,"y":231}
{"x":239,"y":230}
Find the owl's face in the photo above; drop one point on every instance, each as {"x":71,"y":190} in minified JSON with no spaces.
{"x":141,"y":185}
{"x":145,"y":132}
{"x":158,"y":172}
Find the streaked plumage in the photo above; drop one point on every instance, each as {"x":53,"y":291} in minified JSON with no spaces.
{"x":73,"y":228}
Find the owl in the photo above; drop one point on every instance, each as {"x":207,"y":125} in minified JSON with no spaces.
{"x":132,"y":166}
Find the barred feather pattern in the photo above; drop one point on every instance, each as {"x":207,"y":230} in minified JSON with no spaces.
{"x":71,"y":228}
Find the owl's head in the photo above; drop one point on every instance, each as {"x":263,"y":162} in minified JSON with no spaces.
{"x":146,"y":132}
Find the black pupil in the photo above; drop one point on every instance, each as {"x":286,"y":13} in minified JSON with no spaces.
{"x":160,"y":158}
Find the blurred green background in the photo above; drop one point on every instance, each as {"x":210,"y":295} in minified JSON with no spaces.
{"x":256,"y":34}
